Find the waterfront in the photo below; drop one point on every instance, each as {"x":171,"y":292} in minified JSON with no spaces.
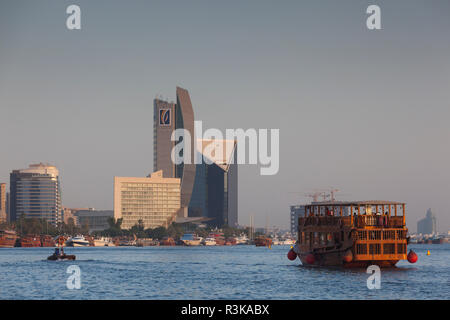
{"x":223,"y":272}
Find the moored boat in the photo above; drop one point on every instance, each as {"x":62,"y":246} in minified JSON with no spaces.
{"x":47,"y":241}
{"x":209,"y":241}
{"x":103,"y":242}
{"x":262,"y":241}
{"x":167,"y":241}
{"x":144,"y":242}
{"x":190,"y":239}
{"x":30,"y":241}
{"x":242,"y":239}
{"x":7,"y":238}
{"x":287,"y":242}
{"x":220,"y":241}
{"x":124,"y":241}
{"x":78,"y":241}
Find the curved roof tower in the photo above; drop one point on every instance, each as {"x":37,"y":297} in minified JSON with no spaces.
{"x":185,"y":120}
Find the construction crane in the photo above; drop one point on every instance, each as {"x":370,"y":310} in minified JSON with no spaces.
{"x":322,"y":194}
{"x":315,"y":195}
{"x":332,"y":192}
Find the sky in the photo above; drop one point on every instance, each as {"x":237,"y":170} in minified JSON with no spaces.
{"x":363,"y":111}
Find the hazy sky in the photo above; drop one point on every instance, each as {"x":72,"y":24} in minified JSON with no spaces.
{"x":364,"y":111}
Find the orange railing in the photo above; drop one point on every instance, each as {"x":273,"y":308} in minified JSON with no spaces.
{"x":362,"y":221}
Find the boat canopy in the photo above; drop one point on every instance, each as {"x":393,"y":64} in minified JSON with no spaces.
{"x":354,"y":203}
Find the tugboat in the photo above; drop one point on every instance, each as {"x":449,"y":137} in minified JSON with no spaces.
{"x":352,"y":234}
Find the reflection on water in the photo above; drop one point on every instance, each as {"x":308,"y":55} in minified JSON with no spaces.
{"x":239,"y":272}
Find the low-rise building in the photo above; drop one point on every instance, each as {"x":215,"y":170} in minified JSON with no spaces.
{"x":94,"y":220}
{"x":154,"y":200}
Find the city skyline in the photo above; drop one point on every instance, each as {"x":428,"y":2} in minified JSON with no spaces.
{"x":362,"y":111}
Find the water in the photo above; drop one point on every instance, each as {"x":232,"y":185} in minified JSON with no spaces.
{"x":238,"y":272}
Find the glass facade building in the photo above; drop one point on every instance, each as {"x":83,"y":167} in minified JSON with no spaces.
{"x":35,"y":193}
{"x":215,"y":192}
{"x":208,"y":189}
{"x":3,"y":202}
{"x":154,"y":200}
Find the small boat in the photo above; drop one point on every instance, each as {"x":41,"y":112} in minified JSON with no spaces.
{"x":90,"y":240}
{"x":287,"y":242}
{"x":438,"y":241}
{"x":146,"y":242}
{"x":7,"y":238}
{"x":209,"y":241}
{"x":78,"y":241}
{"x":263,"y":241}
{"x":242,"y":239}
{"x":167,"y":241}
{"x":99,"y":242}
{"x":220,"y":241}
{"x":60,"y":255}
{"x":276,"y":242}
{"x":190,"y":239}
{"x":103,"y":242}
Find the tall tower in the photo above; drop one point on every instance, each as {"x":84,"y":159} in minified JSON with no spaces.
{"x":163,"y":126}
{"x":207,"y":190}
{"x":2,"y":202}
{"x":168,"y":117}
{"x":35,"y":193}
{"x":185,"y":120}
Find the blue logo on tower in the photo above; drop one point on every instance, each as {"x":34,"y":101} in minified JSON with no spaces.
{"x":164,"y":117}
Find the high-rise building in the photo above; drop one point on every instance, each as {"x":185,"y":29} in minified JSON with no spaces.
{"x":154,"y":200}
{"x":215,"y":193}
{"x":207,"y":190}
{"x":163,"y":126}
{"x":427,"y":225}
{"x":296,"y":212}
{"x":35,"y":192}
{"x":8,"y":217}
{"x":3,"y":217}
{"x":168,"y":117}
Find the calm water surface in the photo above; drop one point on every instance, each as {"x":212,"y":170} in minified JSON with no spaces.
{"x":239,"y":272}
